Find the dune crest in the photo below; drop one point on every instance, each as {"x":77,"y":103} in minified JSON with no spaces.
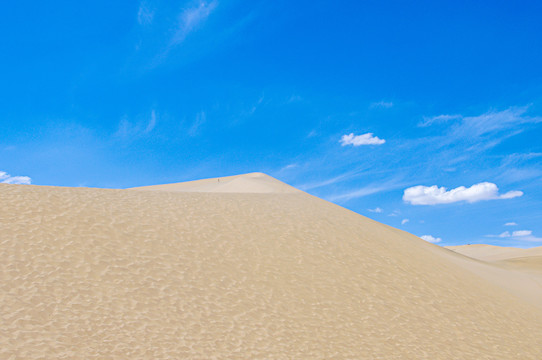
{"x":245,"y":183}
{"x":119,"y":274}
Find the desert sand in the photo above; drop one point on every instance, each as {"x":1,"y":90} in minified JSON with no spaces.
{"x":242,"y":268}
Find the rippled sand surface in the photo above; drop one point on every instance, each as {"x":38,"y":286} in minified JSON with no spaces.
{"x":135,"y":274}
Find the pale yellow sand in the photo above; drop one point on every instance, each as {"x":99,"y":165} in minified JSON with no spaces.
{"x":493,"y":253}
{"x":246,"y":183}
{"x":126,"y":274}
{"x":517,"y":270}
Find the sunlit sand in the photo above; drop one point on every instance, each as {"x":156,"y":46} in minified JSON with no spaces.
{"x":244,"y":267}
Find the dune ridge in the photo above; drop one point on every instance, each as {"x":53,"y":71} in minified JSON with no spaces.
{"x":101,"y":273}
{"x":245,"y":183}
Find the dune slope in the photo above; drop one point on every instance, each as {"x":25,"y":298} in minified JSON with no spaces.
{"x":98,"y":273}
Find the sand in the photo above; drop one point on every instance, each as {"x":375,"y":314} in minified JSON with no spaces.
{"x":242,"y":273}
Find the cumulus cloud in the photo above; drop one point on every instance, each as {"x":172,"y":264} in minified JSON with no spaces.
{"x":364,"y":139}
{"x":431,"y":239}
{"x":510,"y":224}
{"x":432,"y":195}
{"x":404,"y":221}
{"x":376,"y":210}
{"x":5,"y":178}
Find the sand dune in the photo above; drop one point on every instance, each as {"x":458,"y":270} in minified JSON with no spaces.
{"x":208,"y":271}
{"x":245,"y":183}
{"x":493,"y":253}
{"x":518,"y":270}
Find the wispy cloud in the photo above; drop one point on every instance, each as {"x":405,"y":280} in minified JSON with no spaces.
{"x":294,"y":98}
{"x":517,"y":158}
{"x":493,"y":122}
{"x":288,"y":167}
{"x":381,"y":104}
{"x":432,"y":195}
{"x":201,"y":118}
{"x":191,"y":18}
{"x":395,"y":213}
{"x":404,"y":221}
{"x":430,"y":120}
{"x":131,"y":131}
{"x":151,"y":124}
{"x":510,"y":224}
{"x":431,"y":239}
{"x":336,"y":179}
{"x":366,"y":190}
{"x":254,"y":107}
{"x":376,"y":210}
{"x":145,"y":13}
{"x":486,"y":130}
{"x":6,"y":178}
{"x":358,"y":140}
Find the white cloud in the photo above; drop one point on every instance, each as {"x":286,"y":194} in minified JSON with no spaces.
{"x":376,"y":210}
{"x":522,"y":233}
{"x":519,"y":235}
{"x":510,"y":224}
{"x":431,"y":195}
{"x":431,"y":239}
{"x":191,"y":18}
{"x":5,"y":178}
{"x":382,"y":104}
{"x":364,"y":139}
{"x":145,"y":14}
{"x":404,"y":221}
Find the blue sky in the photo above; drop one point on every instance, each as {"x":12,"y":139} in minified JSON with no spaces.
{"x":426,"y":116}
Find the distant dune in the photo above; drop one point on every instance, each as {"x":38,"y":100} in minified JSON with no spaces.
{"x":528,"y":261}
{"x":242,"y":268}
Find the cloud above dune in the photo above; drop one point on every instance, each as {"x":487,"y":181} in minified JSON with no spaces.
{"x":431,"y":239}
{"x":510,"y":224}
{"x":519,"y":235}
{"x":5,"y":178}
{"x":358,"y":140}
{"x":432,"y":195}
